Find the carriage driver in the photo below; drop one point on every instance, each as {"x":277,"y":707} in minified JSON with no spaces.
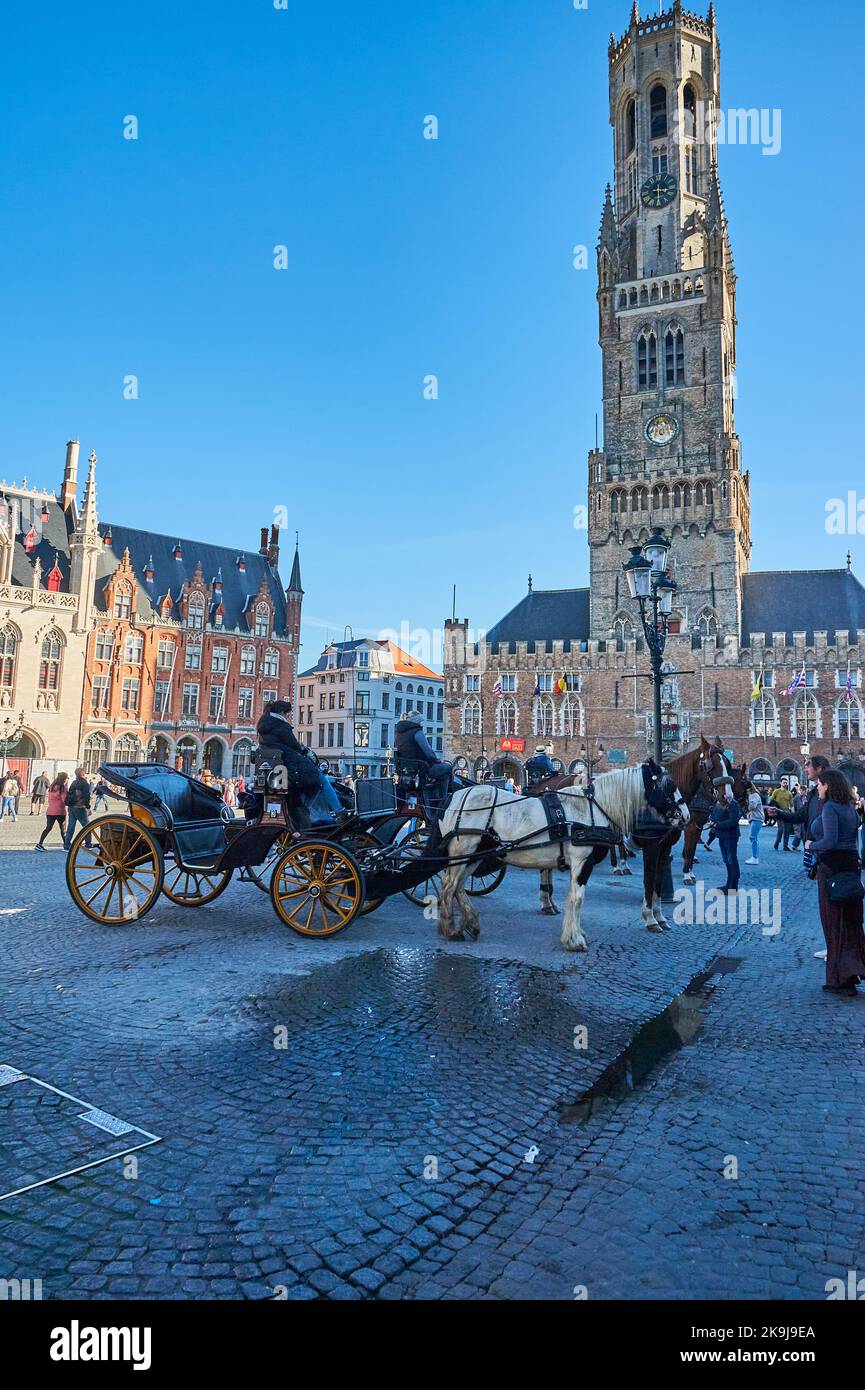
{"x":413,"y":747}
{"x":539,"y":766}
{"x":274,"y":731}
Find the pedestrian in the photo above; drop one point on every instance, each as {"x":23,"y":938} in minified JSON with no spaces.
{"x":38,"y":794}
{"x":756,"y":821}
{"x":782,"y":799}
{"x":77,"y":805}
{"x":9,"y":797}
{"x":56,"y":809}
{"x":229,"y":794}
{"x":839,"y":882}
{"x":724,"y":823}
{"x":100,"y":794}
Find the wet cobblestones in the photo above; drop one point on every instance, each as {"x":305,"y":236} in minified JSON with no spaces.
{"x":378,"y":1150}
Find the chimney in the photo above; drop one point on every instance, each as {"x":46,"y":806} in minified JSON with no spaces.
{"x":262,"y":549}
{"x":70,"y":476}
{"x":273,"y":548}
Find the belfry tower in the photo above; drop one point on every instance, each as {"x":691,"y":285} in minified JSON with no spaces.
{"x":667,"y":314}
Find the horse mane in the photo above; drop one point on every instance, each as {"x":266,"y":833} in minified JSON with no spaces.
{"x":620,"y":796}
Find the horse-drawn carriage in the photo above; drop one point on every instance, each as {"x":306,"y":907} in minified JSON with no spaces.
{"x":179,"y":839}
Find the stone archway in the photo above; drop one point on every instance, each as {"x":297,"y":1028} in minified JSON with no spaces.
{"x":213,"y":756}
{"x":187,"y":755}
{"x":21,"y":757}
{"x":508,"y":767}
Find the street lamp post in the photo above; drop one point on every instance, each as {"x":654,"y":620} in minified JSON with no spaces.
{"x":590,"y":761}
{"x":651,"y":586}
{"x":10,"y":736}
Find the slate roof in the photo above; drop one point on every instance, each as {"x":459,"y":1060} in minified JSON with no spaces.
{"x":238,"y":589}
{"x":545,"y":616}
{"x":52,"y":537}
{"x":789,"y":601}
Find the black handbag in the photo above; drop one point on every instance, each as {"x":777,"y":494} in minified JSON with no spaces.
{"x":846,"y":887}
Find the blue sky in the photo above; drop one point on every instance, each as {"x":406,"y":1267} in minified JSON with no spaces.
{"x":303,"y":388}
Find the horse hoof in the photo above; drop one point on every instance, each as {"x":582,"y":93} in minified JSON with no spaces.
{"x":549,"y":911}
{"x":580,"y":945}
{"x":654,"y":927}
{"x":472,"y":933}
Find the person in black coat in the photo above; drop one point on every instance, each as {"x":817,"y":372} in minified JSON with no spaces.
{"x":810,"y":809}
{"x":274,"y":731}
{"x":412,"y":746}
{"x":724,"y":823}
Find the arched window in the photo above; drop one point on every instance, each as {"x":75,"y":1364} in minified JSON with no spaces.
{"x":658,"y":108}
{"x":698,"y":495}
{"x":630,"y":127}
{"x":707,"y":623}
{"x":247,"y":661}
{"x":647,"y":360}
{"x":271,"y":662}
{"x":127,"y":749}
{"x":123,"y":601}
{"x":471,"y":717}
{"x":623,"y":630}
{"x":848,"y":718}
{"x":674,"y":357}
{"x":262,"y":620}
{"x":10,"y":637}
{"x":240,"y":758}
{"x":686,"y":495}
{"x":572,"y":717}
{"x":689,"y":102}
{"x":507,"y":718}
{"x":50,"y":660}
{"x":96,"y":750}
{"x":544,"y":715}
{"x":677,"y":495}
{"x":805,"y":717}
{"x":710,"y":494}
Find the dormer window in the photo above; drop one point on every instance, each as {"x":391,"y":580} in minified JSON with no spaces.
{"x":30,"y":540}
{"x":195,"y":612}
{"x":262,"y":620}
{"x":241,"y":565}
{"x":178,"y":551}
{"x":123,"y":603}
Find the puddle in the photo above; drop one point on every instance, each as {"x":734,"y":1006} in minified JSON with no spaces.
{"x":679,"y":1025}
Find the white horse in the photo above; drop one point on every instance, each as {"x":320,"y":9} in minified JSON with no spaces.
{"x":620,"y":800}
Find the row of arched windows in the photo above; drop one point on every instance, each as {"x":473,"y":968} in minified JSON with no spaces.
{"x":806,"y":718}
{"x":50,"y":662}
{"x":702,"y":494}
{"x":660,"y":291}
{"x":565,"y":717}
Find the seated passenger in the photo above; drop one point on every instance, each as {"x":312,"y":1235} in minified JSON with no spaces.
{"x":275,"y":731}
{"x":412,"y":747}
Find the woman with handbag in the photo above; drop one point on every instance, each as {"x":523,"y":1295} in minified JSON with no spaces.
{"x":840,"y":886}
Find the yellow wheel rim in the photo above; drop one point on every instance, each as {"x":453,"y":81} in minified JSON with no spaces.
{"x":117,"y":877}
{"x":194,"y":887}
{"x":317,"y":889}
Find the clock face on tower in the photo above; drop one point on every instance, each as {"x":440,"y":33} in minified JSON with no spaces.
{"x":659,"y":190}
{"x":662,"y":429}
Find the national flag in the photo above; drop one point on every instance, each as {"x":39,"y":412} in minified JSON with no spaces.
{"x":758,"y":688}
{"x":848,"y":689}
{"x":799,"y":682}
{"x":537,"y":689}
{"x":562,"y":685}
{"x":497,"y":690}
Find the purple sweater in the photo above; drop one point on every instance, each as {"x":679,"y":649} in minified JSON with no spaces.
{"x":834,"y":828}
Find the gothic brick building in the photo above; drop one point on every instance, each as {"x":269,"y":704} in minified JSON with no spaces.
{"x":567,"y":667}
{"x":120,"y":644}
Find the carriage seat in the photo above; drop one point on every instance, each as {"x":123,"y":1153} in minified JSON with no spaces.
{"x":413,"y":772}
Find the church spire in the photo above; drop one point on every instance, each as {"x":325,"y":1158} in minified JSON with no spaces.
{"x":294,"y":584}
{"x":87,"y":528}
{"x":608,"y":224}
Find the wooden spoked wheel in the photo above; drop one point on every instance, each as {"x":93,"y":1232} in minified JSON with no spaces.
{"x":316,"y":888}
{"x":194,"y":887}
{"x":371,"y":906}
{"x":117,"y":876}
{"x":478,"y":885}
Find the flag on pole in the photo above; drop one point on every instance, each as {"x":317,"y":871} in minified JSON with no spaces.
{"x":798,"y":683}
{"x":497,"y":690}
{"x":561,"y":684}
{"x":848,"y":689}
{"x":758,"y":688}
{"x":537,"y":689}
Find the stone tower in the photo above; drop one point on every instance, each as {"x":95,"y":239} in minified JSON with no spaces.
{"x":667,"y":316}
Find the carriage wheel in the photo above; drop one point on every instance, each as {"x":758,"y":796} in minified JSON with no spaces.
{"x":194,"y":887}
{"x":371,"y":906}
{"x":316,"y":888}
{"x":430,"y":888}
{"x":118,"y":876}
{"x":478,"y":885}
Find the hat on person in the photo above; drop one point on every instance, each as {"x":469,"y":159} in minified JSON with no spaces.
{"x":540,"y":748}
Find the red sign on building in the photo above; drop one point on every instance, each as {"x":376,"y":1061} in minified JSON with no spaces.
{"x":513,"y":745}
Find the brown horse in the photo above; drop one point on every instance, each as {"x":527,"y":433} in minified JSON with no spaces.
{"x":694,"y":775}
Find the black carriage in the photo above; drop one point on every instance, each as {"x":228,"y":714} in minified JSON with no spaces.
{"x":180,"y":839}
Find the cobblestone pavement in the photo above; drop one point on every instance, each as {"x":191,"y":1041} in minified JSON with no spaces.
{"x":385,"y":1115}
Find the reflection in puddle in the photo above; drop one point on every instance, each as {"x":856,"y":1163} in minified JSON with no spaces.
{"x":680,"y":1023}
